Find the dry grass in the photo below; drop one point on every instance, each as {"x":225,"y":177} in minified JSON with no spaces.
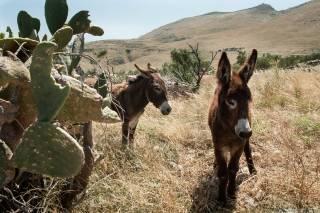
{"x":171,"y":167}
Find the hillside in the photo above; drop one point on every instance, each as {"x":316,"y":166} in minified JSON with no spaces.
{"x":292,"y":31}
{"x":212,"y":23}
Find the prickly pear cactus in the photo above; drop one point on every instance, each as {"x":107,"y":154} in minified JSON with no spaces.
{"x":6,"y":170}
{"x":101,"y":85}
{"x":45,"y":38}
{"x":95,"y":30}
{"x":10,"y":31}
{"x":56,"y":13}
{"x":49,"y":96}
{"x":48,"y":149}
{"x":13,"y":71}
{"x":44,"y":147}
{"x":83,"y":104}
{"x":74,"y":63}
{"x":27,"y":24}
{"x":62,"y":37}
{"x":80,"y":22}
{"x":34,"y":35}
{"x":12,"y":44}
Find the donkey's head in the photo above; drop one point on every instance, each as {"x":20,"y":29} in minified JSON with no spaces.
{"x":156,"y":90}
{"x":234,"y":95}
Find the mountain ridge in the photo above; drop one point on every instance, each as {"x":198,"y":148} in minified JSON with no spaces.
{"x":292,"y":31}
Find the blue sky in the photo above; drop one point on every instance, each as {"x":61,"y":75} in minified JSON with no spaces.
{"x":128,"y":19}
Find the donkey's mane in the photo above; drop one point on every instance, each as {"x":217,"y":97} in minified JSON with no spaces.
{"x":135,"y":80}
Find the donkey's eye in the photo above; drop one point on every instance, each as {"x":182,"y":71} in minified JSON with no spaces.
{"x":231,"y":103}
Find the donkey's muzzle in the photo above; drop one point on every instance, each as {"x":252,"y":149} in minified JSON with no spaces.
{"x":245,"y":135}
{"x":165,"y":108}
{"x":243,"y":129}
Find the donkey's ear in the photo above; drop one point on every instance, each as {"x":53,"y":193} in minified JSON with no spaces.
{"x":246,"y":71}
{"x":224,"y":69}
{"x":152,"y":69}
{"x":144,"y":72}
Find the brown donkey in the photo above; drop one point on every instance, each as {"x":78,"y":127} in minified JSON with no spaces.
{"x":131,"y":97}
{"x":230,"y":121}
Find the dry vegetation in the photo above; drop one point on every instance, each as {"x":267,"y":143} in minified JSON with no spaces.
{"x":288,"y":32}
{"x":171,"y":168}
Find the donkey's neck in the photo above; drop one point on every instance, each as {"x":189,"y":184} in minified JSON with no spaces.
{"x":137,"y":92}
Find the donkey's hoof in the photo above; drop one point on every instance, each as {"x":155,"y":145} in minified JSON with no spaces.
{"x":222,"y":201}
{"x":232,"y":196}
{"x":124,"y":147}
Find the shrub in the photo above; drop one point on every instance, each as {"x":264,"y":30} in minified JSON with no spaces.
{"x":100,"y":53}
{"x":187,"y":66}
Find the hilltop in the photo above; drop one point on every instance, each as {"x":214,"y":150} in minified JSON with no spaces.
{"x":292,"y":31}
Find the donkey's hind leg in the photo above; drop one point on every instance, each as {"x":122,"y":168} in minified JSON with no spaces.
{"x":247,"y":152}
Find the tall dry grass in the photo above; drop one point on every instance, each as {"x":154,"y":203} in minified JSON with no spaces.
{"x":171,"y":167}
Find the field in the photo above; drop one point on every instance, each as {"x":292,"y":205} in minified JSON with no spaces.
{"x":171,"y":167}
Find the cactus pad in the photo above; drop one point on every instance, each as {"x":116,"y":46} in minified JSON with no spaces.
{"x":9,"y":30}
{"x":62,"y":37}
{"x":6,"y":170}
{"x":56,"y":13}
{"x":80,"y":22}
{"x":49,"y":96}
{"x":45,"y":38}
{"x":101,"y":85}
{"x":109,"y":115}
{"x":27,"y":24}
{"x":10,"y":44}
{"x":95,"y":30}
{"x":34,"y":35}
{"x":106,"y":102}
{"x":48,"y":149}
{"x":74,"y":63}
{"x":83,"y":104}
{"x":13,"y":71}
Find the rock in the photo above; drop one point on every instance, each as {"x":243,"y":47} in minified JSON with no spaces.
{"x":250,"y":201}
{"x":156,"y":148}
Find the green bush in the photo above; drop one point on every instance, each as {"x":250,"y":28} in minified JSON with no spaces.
{"x":187,"y":66}
{"x":266,"y":61}
{"x":101,"y":53}
{"x":242,"y":57}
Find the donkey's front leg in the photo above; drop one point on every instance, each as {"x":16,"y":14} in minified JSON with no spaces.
{"x":132,"y":127}
{"x":247,"y":152}
{"x":233,"y":169}
{"x":222,"y":174}
{"x":125,"y":131}
{"x":132,"y":130}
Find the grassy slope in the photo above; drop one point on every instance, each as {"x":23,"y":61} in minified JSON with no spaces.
{"x":171,"y":167}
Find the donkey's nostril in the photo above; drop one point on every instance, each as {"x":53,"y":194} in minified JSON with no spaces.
{"x":245,"y":135}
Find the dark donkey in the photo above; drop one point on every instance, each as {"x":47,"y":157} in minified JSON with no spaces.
{"x":230,"y":121}
{"x":133,"y":96}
